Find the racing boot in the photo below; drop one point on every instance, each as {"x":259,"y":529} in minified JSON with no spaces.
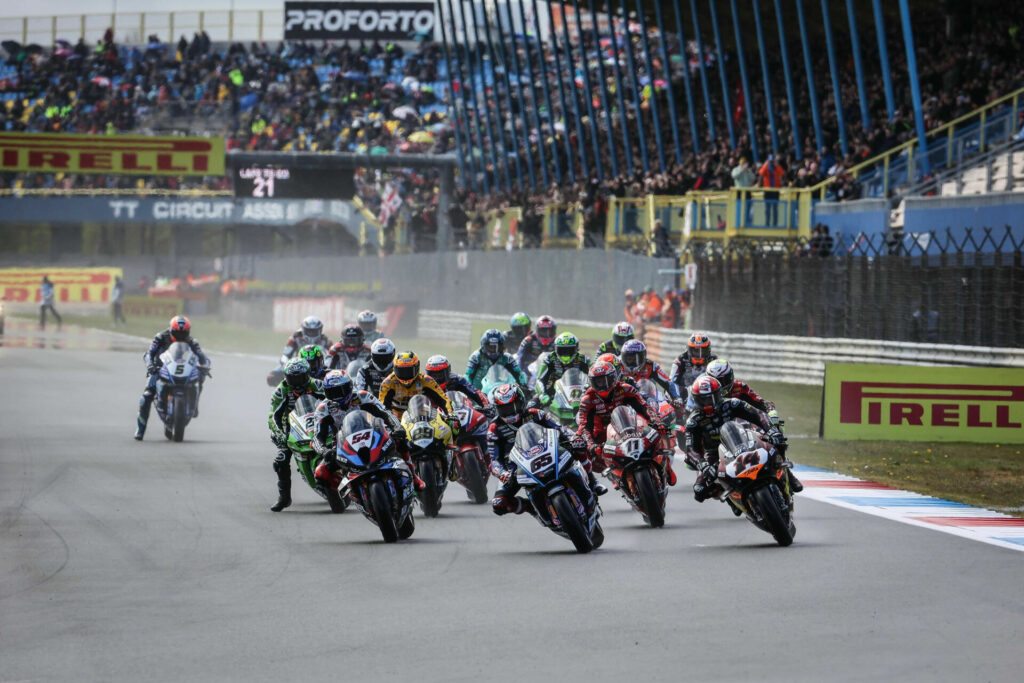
{"x":794,"y":484}
{"x":595,"y":486}
{"x":284,"y":486}
{"x":670,"y":473}
{"x":145,"y":403}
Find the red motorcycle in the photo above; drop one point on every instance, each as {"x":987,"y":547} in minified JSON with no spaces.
{"x":637,"y":464}
{"x":662,"y":402}
{"x":470,"y":461}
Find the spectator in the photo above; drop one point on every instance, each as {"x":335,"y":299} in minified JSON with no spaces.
{"x":662,"y":246}
{"x":670,"y":308}
{"x":46,"y":295}
{"x":116,"y":301}
{"x":925,"y":325}
{"x":771,"y":177}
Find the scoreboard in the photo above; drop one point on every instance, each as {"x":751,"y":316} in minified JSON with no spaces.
{"x":278,"y":182}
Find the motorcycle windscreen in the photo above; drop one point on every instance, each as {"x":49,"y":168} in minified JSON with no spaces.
{"x":573,"y":383}
{"x":529,"y":436}
{"x":459,"y":400}
{"x":353,"y":368}
{"x":420,"y":409}
{"x":306,"y":405}
{"x":499,"y":374}
{"x":178,"y":352}
{"x":624,"y":419}
{"x":649,"y":390}
{"x":736,"y":439}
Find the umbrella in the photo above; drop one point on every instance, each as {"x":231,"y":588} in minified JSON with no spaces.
{"x":437,"y":127}
{"x":63,"y":43}
{"x":248,"y":101}
{"x":63,"y":52}
{"x":405,"y":111}
{"x":378,"y":150}
{"x":354,"y":75}
{"x":422,"y":136}
{"x":102,"y":81}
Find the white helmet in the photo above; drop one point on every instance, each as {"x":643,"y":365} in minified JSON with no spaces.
{"x":368,"y":321}
{"x":312,"y":328}
{"x":382,"y":354}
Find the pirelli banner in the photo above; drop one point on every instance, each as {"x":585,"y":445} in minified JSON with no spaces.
{"x":70,"y":285}
{"x":111,"y":154}
{"x":359,"y":20}
{"x":915,"y":403}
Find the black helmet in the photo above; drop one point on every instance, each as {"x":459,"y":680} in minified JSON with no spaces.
{"x":352,"y":337}
{"x":296,"y":373}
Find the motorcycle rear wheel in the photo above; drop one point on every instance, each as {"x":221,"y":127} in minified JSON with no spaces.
{"x":780,"y":529}
{"x":572,"y":524}
{"x":380,"y":504}
{"x":649,"y":498}
{"x":474,"y":477}
{"x":430,"y":496}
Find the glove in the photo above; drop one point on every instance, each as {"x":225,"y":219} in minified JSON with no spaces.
{"x":708,"y":472}
{"x":399,"y":434}
{"x":490,"y":412}
{"x":578,"y":444}
{"x":153,"y":369}
{"x":506,"y":475}
{"x":776,"y":437}
{"x":279,"y":439}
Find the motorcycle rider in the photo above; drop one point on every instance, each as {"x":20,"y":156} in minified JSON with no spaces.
{"x":702,"y":430}
{"x":311,"y":332}
{"x":439,"y":369}
{"x":604,"y":395}
{"x":636,"y":365}
{"x":616,"y":363}
{"x":340,"y":397}
{"x":406,"y":381}
{"x":372,"y":374}
{"x":537,"y":342}
{"x":368,"y":324}
{"x":298,"y":381}
{"x":513,"y":413}
{"x":179,"y":330}
{"x":691,"y":362}
{"x":621,"y":333}
{"x":350,"y":347}
{"x":314,"y":355}
{"x":519,"y":328}
{"x":566,"y":355}
{"x":492,"y":352}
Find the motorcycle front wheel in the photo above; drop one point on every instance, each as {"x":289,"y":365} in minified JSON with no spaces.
{"x":475,"y":481}
{"x":650,"y":501}
{"x":180,"y":418}
{"x":430,"y":496}
{"x":380,"y":504}
{"x":779,"y":527}
{"x":571,"y":523}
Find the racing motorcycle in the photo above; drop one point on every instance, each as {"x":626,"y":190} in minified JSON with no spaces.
{"x":300,"y":442}
{"x":276,"y":376}
{"x":662,"y":402}
{"x":565,"y":402}
{"x":381,"y":486}
{"x":637,"y":464}
{"x":430,"y":447}
{"x":470,"y":459}
{"x":752,"y":473}
{"x":557,"y":486}
{"x":178,"y":388}
{"x":495,"y":377}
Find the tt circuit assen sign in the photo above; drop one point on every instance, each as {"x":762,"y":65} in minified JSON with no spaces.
{"x":914,"y":403}
{"x":111,"y":154}
{"x":362,"y":20}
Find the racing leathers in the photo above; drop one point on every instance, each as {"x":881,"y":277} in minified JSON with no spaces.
{"x":339,"y":356}
{"x":371,"y":336}
{"x":552,"y":367}
{"x":298,"y":340}
{"x":281,"y":404}
{"x":512,"y":339}
{"x":461,"y":384}
{"x":652,"y":371}
{"x":609,"y":347}
{"x":596,"y":411}
{"x":684,"y":372}
{"x":530,"y":349}
{"x":161,"y":343}
{"x":395,"y":394}
{"x":479,"y":363}
{"x":369,"y":378}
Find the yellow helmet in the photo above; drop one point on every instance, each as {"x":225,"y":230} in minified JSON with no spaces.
{"x":407,"y":367}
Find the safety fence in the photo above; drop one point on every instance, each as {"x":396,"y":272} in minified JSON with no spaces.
{"x":456,"y":325}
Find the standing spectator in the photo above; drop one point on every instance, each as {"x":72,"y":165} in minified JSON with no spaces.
{"x":46,"y":294}
{"x":117,"y":299}
{"x":771,"y":176}
{"x":662,"y":249}
{"x":926,"y":325}
{"x":670,"y":308}
{"x":743,"y":176}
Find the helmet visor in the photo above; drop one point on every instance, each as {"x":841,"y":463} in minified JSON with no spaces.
{"x":439,"y":376}
{"x":338,"y":392}
{"x":547,"y":332}
{"x":619,"y":339}
{"x":602,"y":384}
{"x":297,"y":380}
{"x":382,"y":360}
{"x":406,"y":373}
{"x":700,"y":354}
{"x":566,"y":352}
{"x":368,"y":325}
{"x":179,"y":335}
{"x":633,"y":360}
{"x":704,"y":401}
{"x":508,"y":411}
{"x":492,"y":349}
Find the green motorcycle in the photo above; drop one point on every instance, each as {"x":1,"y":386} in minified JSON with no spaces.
{"x":301,"y":424}
{"x":565,"y":402}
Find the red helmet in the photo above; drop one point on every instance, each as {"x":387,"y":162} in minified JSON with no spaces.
{"x":546,"y":329}
{"x":180,"y":328}
{"x":613,"y":361}
{"x":509,"y":403}
{"x":699,"y":347}
{"x":602,"y":378}
{"x":707,"y":393}
{"x":439,"y":369}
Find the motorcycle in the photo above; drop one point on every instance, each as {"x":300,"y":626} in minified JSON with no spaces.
{"x":565,"y":402}
{"x":557,"y":486}
{"x":495,"y":377}
{"x":471,"y":461}
{"x":178,"y":388}
{"x":637,"y":464}
{"x":662,"y":402}
{"x":276,"y":376}
{"x":430,"y":447}
{"x":382,"y":487}
{"x":300,"y":442}
{"x":752,"y":473}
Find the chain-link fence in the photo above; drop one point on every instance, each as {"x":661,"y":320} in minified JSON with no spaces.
{"x":963,"y":287}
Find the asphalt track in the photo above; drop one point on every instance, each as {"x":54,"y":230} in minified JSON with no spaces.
{"x":155,"y":561}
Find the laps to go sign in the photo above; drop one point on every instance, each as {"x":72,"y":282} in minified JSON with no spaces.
{"x":916,"y":403}
{"x":111,"y":154}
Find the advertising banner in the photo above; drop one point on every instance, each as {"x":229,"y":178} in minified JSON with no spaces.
{"x":289,"y":313}
{"x":111,"y":154}
{"x":357,"y":20}
{"x":71,"y":285}
{"x":144,"y":307}
{"x":916,"y":403}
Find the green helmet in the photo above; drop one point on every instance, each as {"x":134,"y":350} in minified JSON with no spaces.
{"x":314,"y":355}
{"x":296,"y":373}
{"x":520,"y":323}
{"x":566,"y":347}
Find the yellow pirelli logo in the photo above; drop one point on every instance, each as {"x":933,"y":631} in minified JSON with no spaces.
{"x":111,"y":154}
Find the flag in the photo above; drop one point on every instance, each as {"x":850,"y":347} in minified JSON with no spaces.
{"x":390,"y":203}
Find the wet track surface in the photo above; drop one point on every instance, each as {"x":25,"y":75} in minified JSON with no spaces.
{"x":125,"y":561}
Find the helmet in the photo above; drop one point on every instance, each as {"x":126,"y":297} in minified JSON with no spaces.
{"x":312,"y":327}
{"x":546,"y":329}
{"x":630,"y":295}
{"x":352,"y":337}
{"x":492,"y":343}
{"x":707,"y":393}
{"x":368,"y":321}
{"x":337,"y":386}
{"x":382,"y":354}
{"x":439,"y":369}
{"x":621,"y":334}
{"x":180,"y":328}
{"x":699,"y":347}
{"x":566,"y":347}
{"x":520,"y":324}
{"x":722,"y":371}
{"x":633,"y":355}
{"x":407,"y":367}
{"x":613,"y":361}
{"x":314,"y":355}
{"x":296,"y":373}
{"x":648,"y":290}
{"x":602,"y":378}
{"x":509,"y":403}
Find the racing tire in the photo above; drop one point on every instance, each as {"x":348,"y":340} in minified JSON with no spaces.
{"x":380,"y":504}
{"x":180,"y":420}
{"x":597,"y":535}
{"x":475,"y":481}
{"x":571,"y":523}
{"x":408,"y":526}
{"x":650,"y":501}
{"x":430,"y":496}
{"x":335,"y":500}
{"x":779,"y":527}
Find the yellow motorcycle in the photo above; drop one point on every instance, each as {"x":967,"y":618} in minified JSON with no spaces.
{"x":431,"y":446}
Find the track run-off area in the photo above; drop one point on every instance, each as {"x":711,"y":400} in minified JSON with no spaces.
{"x":157,"y":561}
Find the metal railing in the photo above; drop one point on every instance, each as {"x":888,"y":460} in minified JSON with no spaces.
{"x":52,"y":192}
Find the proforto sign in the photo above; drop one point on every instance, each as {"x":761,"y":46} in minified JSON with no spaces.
{"x":918,"y":403}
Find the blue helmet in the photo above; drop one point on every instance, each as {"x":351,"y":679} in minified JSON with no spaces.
{"x":492,"y":344}
{"x":337,"y":385}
